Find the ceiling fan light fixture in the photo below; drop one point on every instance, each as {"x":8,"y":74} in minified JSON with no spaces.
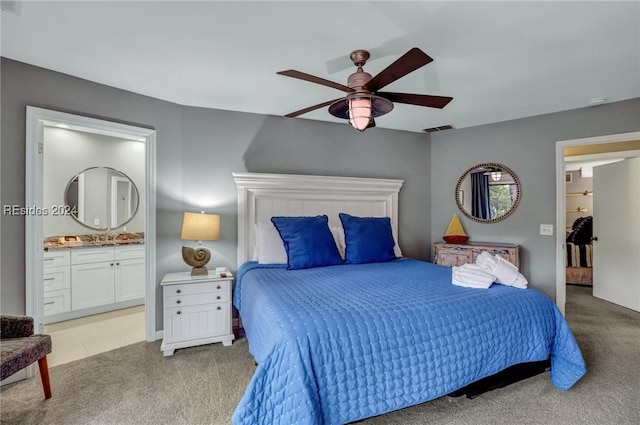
{"x":360,"y":107}
{"x":360,"y":112}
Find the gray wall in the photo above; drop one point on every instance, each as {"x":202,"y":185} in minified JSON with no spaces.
{"x":197,"y":149}
{"x":527,"y":146}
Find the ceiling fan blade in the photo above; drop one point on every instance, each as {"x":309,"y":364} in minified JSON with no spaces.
{"x":313,"y":79}
{"x":312,"y":108}
{"x":417,"y":99}
{"x":407,"y":63}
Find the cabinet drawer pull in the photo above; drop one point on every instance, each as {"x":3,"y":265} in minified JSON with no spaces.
{"x":49,"y":278}
{"x":49,"y":259}
{"x":111,"y":264}
{"x":218,"y":297}
{"x":117,"y":264}
{"x":218,"y":287}
{"x":178,"y":291}
{"x":178,"y":302}
{"x":219,"y":308}
{"x":49,"y":303}
{"x":178,"y":312}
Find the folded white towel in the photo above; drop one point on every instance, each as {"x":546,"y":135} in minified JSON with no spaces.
{"x":471,"y":276}
{"x":486,"y":261}
{"x":504,"y":271}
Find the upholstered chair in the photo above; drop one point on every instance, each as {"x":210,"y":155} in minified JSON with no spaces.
{"x":19,"y":347}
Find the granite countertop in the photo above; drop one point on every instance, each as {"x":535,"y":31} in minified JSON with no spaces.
{"x":53,"y":243}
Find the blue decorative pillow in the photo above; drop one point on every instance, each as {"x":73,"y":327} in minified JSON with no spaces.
{"x":308,"y":241}
{"x":368,"y":239}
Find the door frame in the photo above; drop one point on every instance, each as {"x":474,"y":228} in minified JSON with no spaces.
{"x":561,"y":277}
{"x":34,"y":190}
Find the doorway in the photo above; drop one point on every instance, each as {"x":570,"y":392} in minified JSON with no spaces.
{"x":606,"y":141}
{"x":37,"y":120}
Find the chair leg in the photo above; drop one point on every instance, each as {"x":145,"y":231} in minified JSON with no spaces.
{"x":44,"y":375}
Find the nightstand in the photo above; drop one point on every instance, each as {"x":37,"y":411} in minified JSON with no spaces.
{"x":197,"y":310}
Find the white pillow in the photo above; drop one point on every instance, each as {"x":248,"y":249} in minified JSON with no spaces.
{"x":269,"y":245}
{"x":338,"y":237}
{"x":396,"y":248}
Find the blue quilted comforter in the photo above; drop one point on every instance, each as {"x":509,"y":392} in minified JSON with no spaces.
{"x":341,"y":343}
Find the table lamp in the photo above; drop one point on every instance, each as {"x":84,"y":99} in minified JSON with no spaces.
{"x":199,"y":227}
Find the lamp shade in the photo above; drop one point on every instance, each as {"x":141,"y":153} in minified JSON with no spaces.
{"x":200,"y":227}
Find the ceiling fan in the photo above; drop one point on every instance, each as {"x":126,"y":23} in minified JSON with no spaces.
{"x":363,"y":101}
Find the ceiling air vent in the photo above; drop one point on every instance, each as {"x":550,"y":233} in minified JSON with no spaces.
{"x":440,"y":128}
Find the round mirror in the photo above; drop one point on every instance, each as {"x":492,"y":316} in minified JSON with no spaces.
{"x":101,"y":198}
{"x":488,"y":192}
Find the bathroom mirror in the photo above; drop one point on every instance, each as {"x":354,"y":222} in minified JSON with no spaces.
{"x":101,"y":198}
{"x":488,"y":192}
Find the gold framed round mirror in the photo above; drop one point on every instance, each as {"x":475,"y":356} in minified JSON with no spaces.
{"x":488,"y":192}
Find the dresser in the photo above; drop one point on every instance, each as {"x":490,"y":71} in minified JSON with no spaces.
{"x":197,"y":310}
{"x":450,"y":255}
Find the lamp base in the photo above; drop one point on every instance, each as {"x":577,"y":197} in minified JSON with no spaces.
{"x":199,"y":271}
{"x":196,"y":258}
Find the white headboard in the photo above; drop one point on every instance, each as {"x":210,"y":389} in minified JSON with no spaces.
{"x":262,"y":196}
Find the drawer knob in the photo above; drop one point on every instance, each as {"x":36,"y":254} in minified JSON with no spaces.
{"x":219,"y":308}
{"x":218,"y":287}
{"x":178,"y":302}
{"x":178,"y":291}
{"x":218,"y":297}
{"x":178,"y":312}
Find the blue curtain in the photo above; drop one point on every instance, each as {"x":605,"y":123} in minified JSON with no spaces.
{"x":480,"y":195}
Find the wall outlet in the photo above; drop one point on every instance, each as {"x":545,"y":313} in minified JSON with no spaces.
{"x":546,"y":229}
{"x":96,"y":222}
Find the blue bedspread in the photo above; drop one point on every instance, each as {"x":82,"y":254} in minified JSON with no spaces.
{"x":341,"y":343}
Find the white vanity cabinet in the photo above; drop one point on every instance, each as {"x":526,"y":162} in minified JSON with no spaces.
{"x":130,"y":273}
{"x":57,"y":282}
{"x":92,"y":277}
{"x":97,"y":280}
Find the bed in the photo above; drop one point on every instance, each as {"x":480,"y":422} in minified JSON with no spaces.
{"x":339,"y":343}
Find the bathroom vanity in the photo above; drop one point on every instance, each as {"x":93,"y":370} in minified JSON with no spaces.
{"x":80,"y":281}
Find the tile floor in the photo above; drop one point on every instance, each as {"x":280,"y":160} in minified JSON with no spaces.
{"x":83,"y":337}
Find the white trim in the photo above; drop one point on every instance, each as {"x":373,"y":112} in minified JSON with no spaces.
{"x":34,"y":235}
{"x":284,"y":193}
{"x":561,"y":284}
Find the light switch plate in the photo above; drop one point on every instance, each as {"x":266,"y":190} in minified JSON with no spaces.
{"x":546,"y":229}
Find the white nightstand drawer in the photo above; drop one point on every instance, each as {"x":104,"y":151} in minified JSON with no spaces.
{"x":57,"y":258}
{"x":57,"y":302}
{"x":196,"y":299}
{"x":196,"y":322}
{"x":197,"y":288}
{"x":56,"y":278}
{"x":91,"y":255}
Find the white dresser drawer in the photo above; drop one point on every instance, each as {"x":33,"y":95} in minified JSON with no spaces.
{"x":197,"y":288}
{"x":56,"y":278}
{"x":57,"y":302}
{"x":196,"y":299}
{"x":91,"y":255}
{"x":57,"y":258}
{"x":197,"y":322}
{"x":129,"y":252}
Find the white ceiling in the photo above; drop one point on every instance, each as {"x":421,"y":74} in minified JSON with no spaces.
{"x":498,"y":60}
